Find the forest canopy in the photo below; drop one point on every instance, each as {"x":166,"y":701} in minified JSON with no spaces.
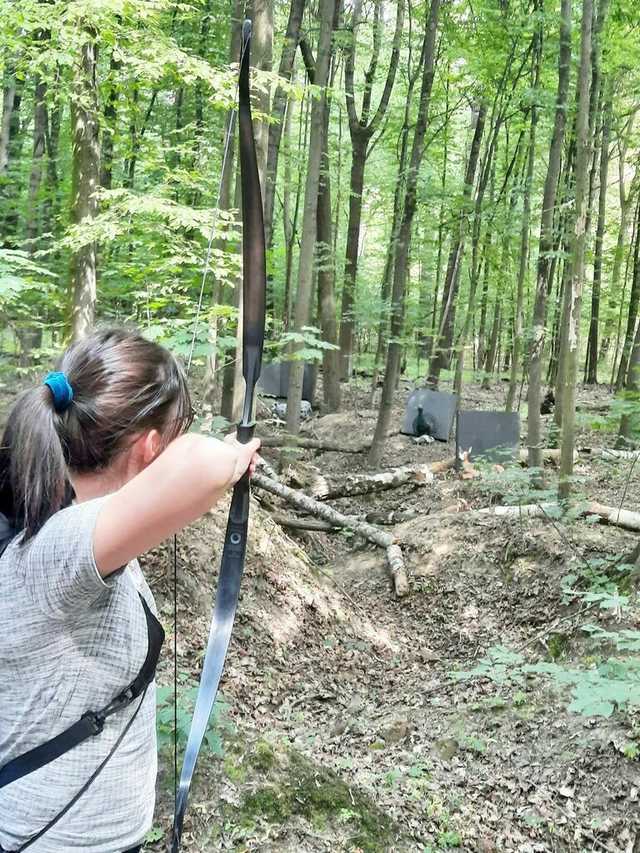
{"x":450,"y":189}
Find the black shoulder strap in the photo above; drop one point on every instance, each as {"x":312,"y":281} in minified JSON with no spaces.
{"x":91,"y":723}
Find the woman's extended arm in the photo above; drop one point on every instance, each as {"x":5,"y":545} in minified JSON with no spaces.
{"x":185,"y":481}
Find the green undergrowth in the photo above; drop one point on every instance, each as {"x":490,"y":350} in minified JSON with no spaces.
{"x":602,"y":676}
{"x":282,"y":785}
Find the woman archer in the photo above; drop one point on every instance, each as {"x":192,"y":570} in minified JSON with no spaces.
{"x":96,"y":467}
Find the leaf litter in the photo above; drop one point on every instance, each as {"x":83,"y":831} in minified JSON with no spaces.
{"x":346,"y":726}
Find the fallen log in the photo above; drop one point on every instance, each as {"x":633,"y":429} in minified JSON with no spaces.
{"x":264,"y":466}
{"x":311,"y":444}
{"x":549,"y":454}
{"x":625,"y":518}
{"x":611,"y":454}
{"x":337,"y":519}
{"x":529,"y":510}
{"x":393,"y":517}
{"x":364,"y":484}
{"x":312,"y":524}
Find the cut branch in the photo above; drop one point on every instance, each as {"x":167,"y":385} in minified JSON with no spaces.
{"x":303,"y":523}
{"x":612,"y":455}
{"x":418,"y":475}
{"x":337,"y":519}
{"x":548,"y":454}
{"x":311,"y":444}
{"x":624,"y":518}
{"x":612,"y":515}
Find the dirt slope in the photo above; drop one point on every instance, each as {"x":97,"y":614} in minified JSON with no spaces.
{"x":345,"y":728}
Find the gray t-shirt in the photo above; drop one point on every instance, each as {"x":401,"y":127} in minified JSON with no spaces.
{"x":69,"y":642}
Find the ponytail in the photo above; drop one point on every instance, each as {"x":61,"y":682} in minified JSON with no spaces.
{"x":33,"y":472}
{"x":110,"y":387}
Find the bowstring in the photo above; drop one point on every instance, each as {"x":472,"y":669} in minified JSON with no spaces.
{"x":207,"y":267}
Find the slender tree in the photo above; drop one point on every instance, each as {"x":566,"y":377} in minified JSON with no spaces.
{"x":278,"y":109}
{"x":398,"y":201}
{"x":33,"y":224}
{"x":326,"y":266}
{"x":626,"y":196}
{"x":86,"y":177}
{"x":310,"y":212}
{"x":394,"y":348}
{"x":362,"y":127}
{"x":573,"y":290}
{"x":523,"y":266}
{"x":633,"y":260}
{"x":544,"y":277}
{"x":591,"y":367}
{"x":441,"y":357}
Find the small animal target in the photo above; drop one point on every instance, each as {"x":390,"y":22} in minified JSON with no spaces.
{"x":548,"y":404}
{"x":429,"y":415}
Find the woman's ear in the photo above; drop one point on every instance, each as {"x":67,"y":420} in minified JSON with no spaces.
{"x":151,"y":445}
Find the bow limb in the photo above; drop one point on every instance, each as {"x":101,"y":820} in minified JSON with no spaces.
{"x":235,"y":543}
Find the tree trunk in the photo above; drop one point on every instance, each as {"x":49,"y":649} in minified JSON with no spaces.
{"x":441,"y":357}
{"x":85,"y":181}
{"x":634,"y":303}
{"x":398,"y":199}
{"x":443,"y":209}
{"x":224,"y":203}
{"x":568,"y":221}
{"x":573,"y":292}
{"x":10,"y":189}
{"x":486,"y":170}
{"x":326,"y":280}
{"x":362,"y":129}
{"x":632,"y":386}
{"x":492,"y":350}
{"x":425,"y":302}
{"x":310,"y":212}
{"x":33,"y":224}
{"x":262,"y":59}
{"x":359,"y":142}
{"x":591,"y":377}
{"x":8,"y":103}
{"x":614,"y":301}
{"x":289,"y":216}
{"x":484,"y":300}
{"x":52,"y":199}
{"x":110,"y":120}
{"x":394,"y":348}
{"x":626,"y":200}
{"x":630,"y":254}
{"x":523,"y":265}
{"x":278,"y":109}
{"x":546,"y":245}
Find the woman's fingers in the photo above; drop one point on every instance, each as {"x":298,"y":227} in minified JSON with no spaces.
{"x":255,"y":461}
{"x":247,"y":456}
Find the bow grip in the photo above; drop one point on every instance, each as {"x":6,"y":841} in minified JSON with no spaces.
{"x":245,"y":431}
{"x":235,"y":540}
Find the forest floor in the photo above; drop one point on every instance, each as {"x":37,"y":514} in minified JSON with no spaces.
{"x":344,"y":724}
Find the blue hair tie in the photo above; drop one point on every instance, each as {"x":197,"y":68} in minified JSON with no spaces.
{"x":62,"y":392}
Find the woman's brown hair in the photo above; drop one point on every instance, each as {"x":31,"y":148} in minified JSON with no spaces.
{"x":122,"y":385}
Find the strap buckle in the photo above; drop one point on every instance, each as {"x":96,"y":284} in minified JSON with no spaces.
{"x":121,"y":701}
{"x":95,"y":721}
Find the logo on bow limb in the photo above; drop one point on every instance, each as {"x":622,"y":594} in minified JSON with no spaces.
{"x":235,"y":543}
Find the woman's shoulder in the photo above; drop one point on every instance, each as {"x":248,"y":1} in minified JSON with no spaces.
{"x":58,"y":565}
